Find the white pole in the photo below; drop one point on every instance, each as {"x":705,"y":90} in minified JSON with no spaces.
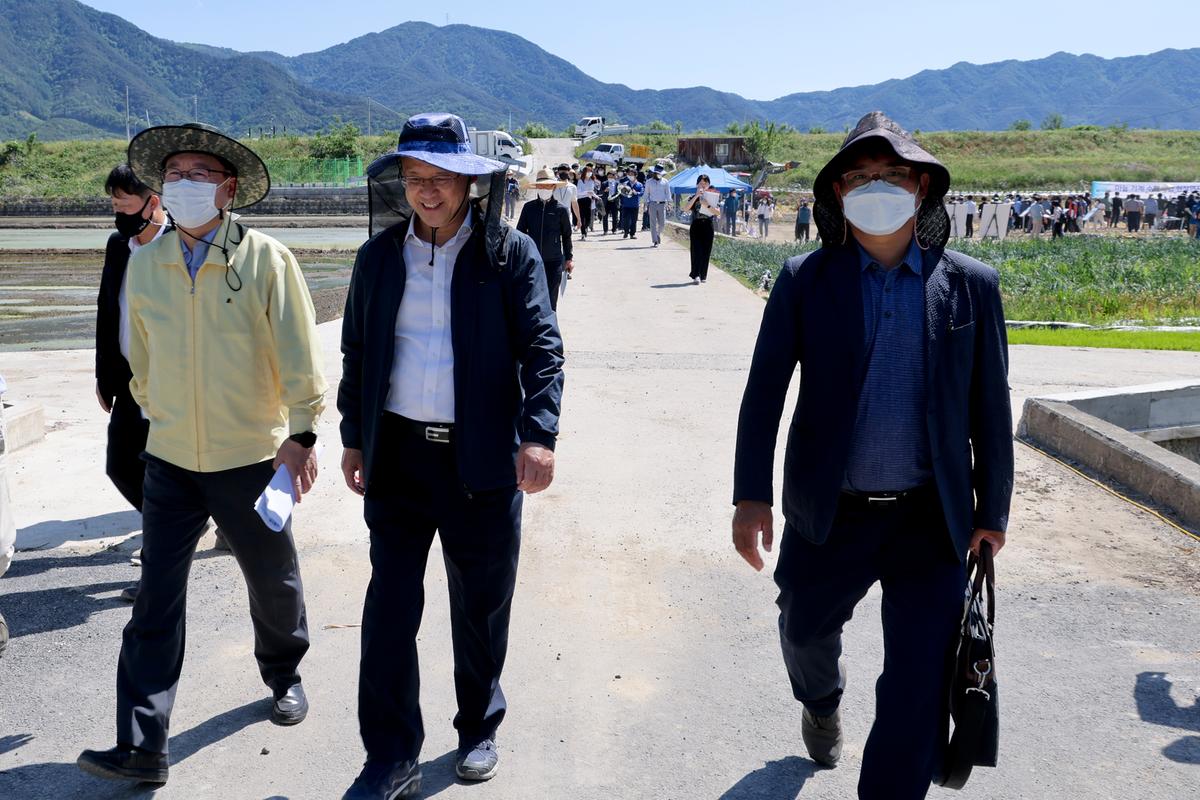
{"x":127,"y":134}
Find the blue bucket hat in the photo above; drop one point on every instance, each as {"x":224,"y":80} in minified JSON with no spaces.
{"x":440,"y":140}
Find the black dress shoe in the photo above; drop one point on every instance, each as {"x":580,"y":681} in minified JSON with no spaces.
{"x":124,"y":763}
{"x":384,"y":781}
{"x":291,"y":707}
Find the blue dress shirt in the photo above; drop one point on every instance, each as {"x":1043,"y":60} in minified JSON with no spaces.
{"x":889,"y":450}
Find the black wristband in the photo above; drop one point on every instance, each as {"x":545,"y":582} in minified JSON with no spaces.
{"x":305,"y":439}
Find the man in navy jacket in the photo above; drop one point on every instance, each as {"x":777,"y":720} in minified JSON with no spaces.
{"x":451,"y":384}
{"x":899,"y":455}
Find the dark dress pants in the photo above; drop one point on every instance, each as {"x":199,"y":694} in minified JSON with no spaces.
{"x":414,"y":492}
{"x":612,"y":210}
{"x":585,"y":216}
{"x":176,"y":506}
{"x":700,"y":234}
{"x":123,"y":462}
{"x":908,"y":550}
{"x":554,"y":278}
{"x":629,"y":221}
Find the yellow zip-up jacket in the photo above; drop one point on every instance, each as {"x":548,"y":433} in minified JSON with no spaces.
{"x":225,"y":369}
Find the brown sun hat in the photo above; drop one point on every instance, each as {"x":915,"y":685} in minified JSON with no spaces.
{"x":150,"y":149}
{"x":545,"y":179}
{"x":933,"y":224}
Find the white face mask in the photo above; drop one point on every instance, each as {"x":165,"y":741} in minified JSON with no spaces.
{"x":545,"y":194}
{"x":191,"y":203}
{"x":879,"y":208}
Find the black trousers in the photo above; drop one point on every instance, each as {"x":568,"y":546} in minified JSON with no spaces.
{"x":700,"y":235}
{"x":908,"y":549}
{"x":554,"y":278}
{"x":612,"y":215}
{"x":629,"y":220}
{"x":176,"y":506}
{"x":414,"y":493}
{"x":802,"y":232}
{"x":123,"y":462}
{"x":970,"y":225}
{"x":585,"y":214}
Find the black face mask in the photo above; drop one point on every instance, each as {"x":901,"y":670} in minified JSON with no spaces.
{"x":130,"y":225}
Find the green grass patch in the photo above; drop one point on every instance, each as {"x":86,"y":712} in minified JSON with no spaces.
{"x":1094,"y":280}
{"x":1130,"y":340}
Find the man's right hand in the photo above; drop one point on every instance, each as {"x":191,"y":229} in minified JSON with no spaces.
{"x":105,"y":403}
{"x":751,"y":518}
{"x":352,"y":470}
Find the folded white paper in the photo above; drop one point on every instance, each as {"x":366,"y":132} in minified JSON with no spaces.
{"x":275,"y":504}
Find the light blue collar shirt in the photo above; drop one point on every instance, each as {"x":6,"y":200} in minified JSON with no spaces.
{"x":193,"y":257}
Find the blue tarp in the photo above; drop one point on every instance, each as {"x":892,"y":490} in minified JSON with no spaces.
{"x":722,"y":181}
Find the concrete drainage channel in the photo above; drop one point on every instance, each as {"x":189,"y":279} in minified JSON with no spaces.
{"x":1144,"y":437}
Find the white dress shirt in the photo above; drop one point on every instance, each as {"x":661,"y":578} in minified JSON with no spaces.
{"x":422,"y":380}
{"x":566,"y":195}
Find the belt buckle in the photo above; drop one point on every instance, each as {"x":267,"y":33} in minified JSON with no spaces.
{"x":882,"y":499}
{"x":434,"y":433}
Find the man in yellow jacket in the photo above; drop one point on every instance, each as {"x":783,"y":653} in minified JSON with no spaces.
{"x":226,"y":364}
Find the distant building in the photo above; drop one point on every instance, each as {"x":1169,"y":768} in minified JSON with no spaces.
{"x":713,"y":150}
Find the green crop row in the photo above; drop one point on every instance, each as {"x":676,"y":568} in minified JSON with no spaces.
{"x":1095,"y":280}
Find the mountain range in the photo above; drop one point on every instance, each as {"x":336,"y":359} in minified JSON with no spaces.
{"x":64,"y":69}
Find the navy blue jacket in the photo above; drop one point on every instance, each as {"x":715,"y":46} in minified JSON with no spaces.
{"x":814,"y":318}
{"x":508,"y":354}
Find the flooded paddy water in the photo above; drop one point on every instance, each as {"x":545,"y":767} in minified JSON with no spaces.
{"x":49,"y":280}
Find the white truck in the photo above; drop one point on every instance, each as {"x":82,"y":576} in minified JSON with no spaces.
{"x":616,"y":153}
{"x":591,"y":127}
{"x":495,"y":144}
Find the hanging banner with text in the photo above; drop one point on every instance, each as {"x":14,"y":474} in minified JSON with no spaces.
{"x":1143,"y":187}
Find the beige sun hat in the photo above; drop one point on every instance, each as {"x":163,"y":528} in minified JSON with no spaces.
{"x":545,"y":179}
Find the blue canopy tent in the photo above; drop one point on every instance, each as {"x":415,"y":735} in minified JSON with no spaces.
{"x":722,"y":181}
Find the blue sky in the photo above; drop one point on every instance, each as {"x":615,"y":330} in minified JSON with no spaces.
{"x":782,"y":47}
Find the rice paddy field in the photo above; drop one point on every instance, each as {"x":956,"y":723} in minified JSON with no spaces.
{"x":1093,"y":280}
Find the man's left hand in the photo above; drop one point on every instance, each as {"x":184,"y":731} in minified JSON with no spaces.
{"x":535,"y":467}
{"x":569,"y":266}
{"x":301,"y":463}
{"x":995,"y":537}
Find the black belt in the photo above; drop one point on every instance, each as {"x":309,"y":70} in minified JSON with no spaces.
{"x":440,"y":432}
{"x":888,"y":500}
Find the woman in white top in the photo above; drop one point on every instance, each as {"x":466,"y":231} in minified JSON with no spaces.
{"x":764,"y":212}
{"x":586,"y":189}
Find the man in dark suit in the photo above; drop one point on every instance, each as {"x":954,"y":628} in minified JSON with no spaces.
{"x":451,"y":384}
{"x":899,"y":456}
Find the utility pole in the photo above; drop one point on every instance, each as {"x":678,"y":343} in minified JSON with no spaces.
{"x":147,"y":118}
{"x":127,"y":134}
{"x":195,"y":115}
{"x":368,"y":116}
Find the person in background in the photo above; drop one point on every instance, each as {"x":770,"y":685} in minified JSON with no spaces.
{"x":1035,"y":216}
{"x":972,"y":209}
{"x":763,"y":212}
{"x":8,"y":528}
{"x":803,"y":221}
{"x":1151,"y":205}
{"x":546,"y":222}
{"x":1107,"y":202}
{"x":705,"y":208}
{"x":566,"y":194}
{"x":729,"y":212}
{"x":585,"y":189}
{"x":631,"y":191}
{"x":612,"y":201}
{"x":512,"y":191}
{"x":1118,"y":209}
{"x":1133,"y":213}
{"x":658,"y":194}
{"x":899,"y":457}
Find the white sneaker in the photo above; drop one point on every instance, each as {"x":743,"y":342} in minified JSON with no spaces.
{"x":695,"y":281}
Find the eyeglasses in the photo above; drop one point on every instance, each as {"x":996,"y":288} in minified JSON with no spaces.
{"x":858,"y":178}
{"x":436,"y":182}
{"x":200,"y":174}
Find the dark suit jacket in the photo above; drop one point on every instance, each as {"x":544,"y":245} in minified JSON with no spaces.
{"x":814,"y":318}
{"x":112,"y":370}
{"x":508,"y":353}
{"x":548,"y":224}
